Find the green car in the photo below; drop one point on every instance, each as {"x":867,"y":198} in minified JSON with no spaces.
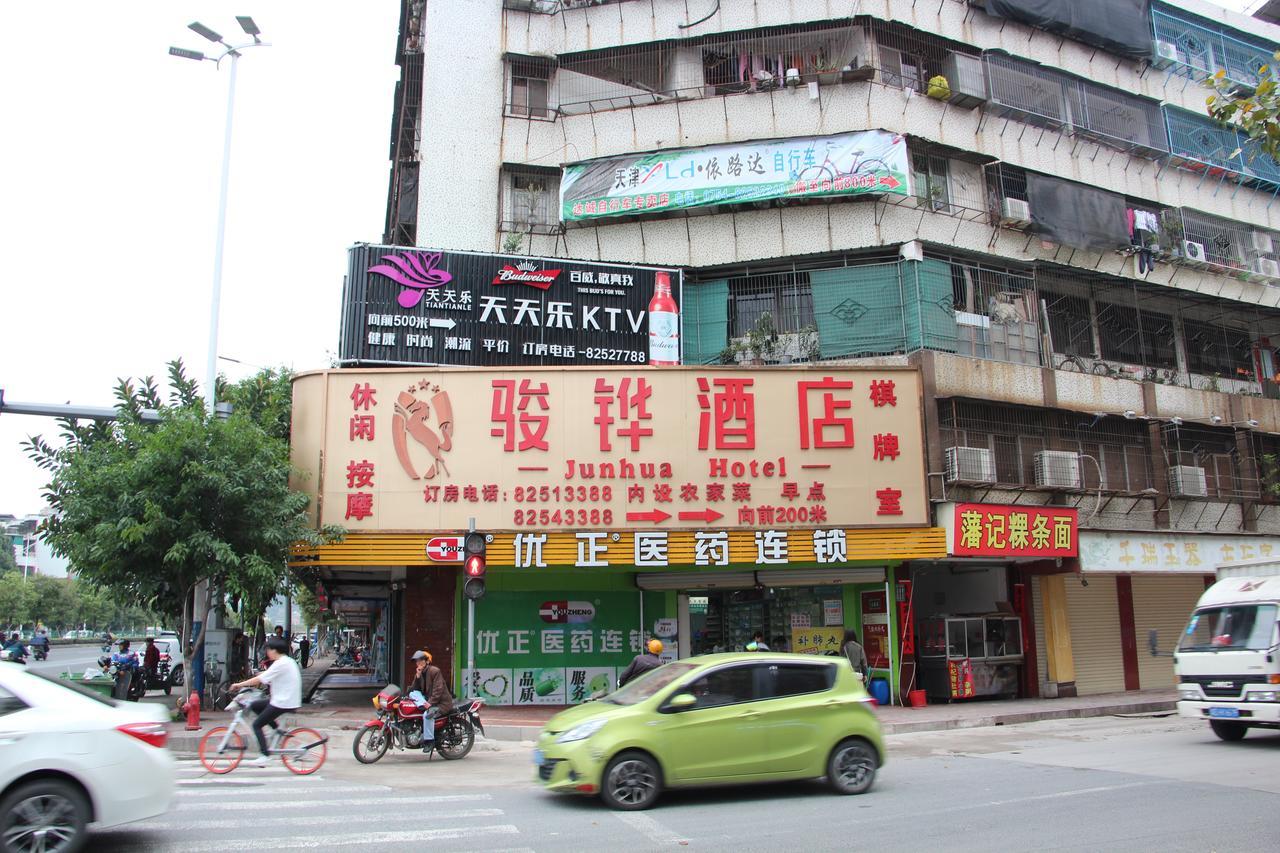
{"x":715,"y":720}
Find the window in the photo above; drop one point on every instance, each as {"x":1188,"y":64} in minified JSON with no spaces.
{"x":786,"y":297}
{"x":795,"y":679}
{"x":930,"y":176}
{"x":10,"y":704}
{"x":530,"y":84}
{"x":1069,"y":323}
{"x":530,"y":201}
{"x":1218,"y":350}
{"x":731,"y":685}
{"x":902,"y":70}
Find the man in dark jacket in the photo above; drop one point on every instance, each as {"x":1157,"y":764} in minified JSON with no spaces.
{"x":429,"y":682}
{"x":642,"y":663}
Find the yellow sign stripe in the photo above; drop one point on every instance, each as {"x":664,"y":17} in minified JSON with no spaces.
{"x":561,"y":548}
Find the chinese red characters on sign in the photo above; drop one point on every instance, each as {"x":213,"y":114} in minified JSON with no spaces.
{"x":360,"y":474}
{"x":993,"y":530}
{"x":507,"y":402}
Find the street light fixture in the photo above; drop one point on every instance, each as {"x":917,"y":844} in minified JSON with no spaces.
{"x":234,"y":52}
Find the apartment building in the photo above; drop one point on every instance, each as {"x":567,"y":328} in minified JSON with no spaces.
{"x":1025,"y":201}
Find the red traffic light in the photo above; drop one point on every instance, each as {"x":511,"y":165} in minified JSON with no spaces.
{"x":475,"y":566}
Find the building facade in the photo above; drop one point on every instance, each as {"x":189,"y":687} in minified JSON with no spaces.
{"x":1029,"y":206}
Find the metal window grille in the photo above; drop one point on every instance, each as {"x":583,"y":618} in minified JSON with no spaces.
{"x":1228,"y":245}
{"x":1201,"y":48}
{"x":786,"y":297}
{"x":995,"y":312}
{"x":932,"y":183}
{"x":530,"y":85}
{"x":530,"y":201}
{"x":1199,"y":144}
{"x":1229,"y":473}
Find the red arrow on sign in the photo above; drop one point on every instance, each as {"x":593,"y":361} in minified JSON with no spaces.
{"x":704,"y":515}
{"x":889,"y":181}
{"x":657,"y":516}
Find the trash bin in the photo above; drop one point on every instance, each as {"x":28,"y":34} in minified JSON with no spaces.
{"x":880,"y":690}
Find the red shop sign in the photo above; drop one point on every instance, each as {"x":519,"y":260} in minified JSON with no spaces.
{"x":994,"y":530}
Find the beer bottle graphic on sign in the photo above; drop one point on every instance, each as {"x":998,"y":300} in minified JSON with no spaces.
{"x":664,"y":323}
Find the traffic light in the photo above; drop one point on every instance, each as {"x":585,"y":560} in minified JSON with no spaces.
{"x":473,"y":565}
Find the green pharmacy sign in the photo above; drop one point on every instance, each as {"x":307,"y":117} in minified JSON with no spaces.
{"x":872,"y":162}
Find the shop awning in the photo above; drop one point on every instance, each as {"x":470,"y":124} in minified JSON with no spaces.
{"x":820,"y":577}
{"x":696,"y":580}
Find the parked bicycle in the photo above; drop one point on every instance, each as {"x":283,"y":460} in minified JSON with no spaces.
{"x":301,"y":749}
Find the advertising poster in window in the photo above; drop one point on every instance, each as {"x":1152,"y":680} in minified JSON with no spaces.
{"x":532,"y":648}
{"x":405,"y":305}
{"x":871,"y":162}
{"x":875,"y":628}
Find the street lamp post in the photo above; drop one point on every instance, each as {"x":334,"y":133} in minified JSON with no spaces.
{"x":233,"y":52}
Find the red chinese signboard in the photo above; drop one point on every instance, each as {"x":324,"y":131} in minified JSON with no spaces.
{"x":994,"y":530}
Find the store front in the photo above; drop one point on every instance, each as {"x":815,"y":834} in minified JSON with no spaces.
{"x":618,"y":505}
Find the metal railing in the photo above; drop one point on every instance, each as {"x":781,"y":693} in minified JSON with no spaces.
{"x":1199,"y":49}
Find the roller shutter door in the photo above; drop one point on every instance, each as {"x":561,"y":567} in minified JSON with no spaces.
{"x":1095,"y":634}
{"x":1163,"y":602}
{"x":1037,"y":619}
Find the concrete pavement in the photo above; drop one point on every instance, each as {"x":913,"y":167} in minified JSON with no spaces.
{"x":1098,"y":784}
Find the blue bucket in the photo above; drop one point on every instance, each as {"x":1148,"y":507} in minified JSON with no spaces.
{"x":880,"y":690}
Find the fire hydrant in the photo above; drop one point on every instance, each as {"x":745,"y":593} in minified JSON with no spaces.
{"x":191,"y":708}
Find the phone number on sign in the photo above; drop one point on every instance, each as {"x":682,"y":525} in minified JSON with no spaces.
{"x":566,"y":517}
{"x":627,"y":355}
{"x":569,"y":494}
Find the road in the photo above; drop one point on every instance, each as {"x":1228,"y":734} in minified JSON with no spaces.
{"x":62,"y":658}
{"x":1104,"y":784}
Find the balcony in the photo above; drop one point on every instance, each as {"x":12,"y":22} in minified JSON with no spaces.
{"x":1198,"y":49}
{"x":1199,"y":144}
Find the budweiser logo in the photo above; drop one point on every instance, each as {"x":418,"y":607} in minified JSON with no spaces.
{"x":526,"y":272}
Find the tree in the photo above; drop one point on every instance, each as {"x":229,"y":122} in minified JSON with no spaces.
{"x":1257,"y":113}
{"x":8,"y":562}
{"x":15,"y":600}
{"x":150,"y":510}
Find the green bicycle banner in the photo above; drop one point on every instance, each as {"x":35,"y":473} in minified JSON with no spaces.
{"x":863,"y":163}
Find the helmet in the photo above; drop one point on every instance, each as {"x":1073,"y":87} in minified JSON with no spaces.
{"x":422,"y":655}
{"x":655,"y":647}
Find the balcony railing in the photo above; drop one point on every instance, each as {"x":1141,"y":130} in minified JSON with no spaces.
{"x":1199,"y":144}
{"x":1199,"y":49}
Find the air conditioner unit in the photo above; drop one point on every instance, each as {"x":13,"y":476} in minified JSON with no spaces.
{"x":1164,"y":54}
{"x":1262,"y":243}
{"x":1193,"y":254}
{"x":966,"y":79}
{"x":1187,"y":481}
{"x":970,"y":465}
{"x":1059,"y":468}
{"x":1266,"y":268}
{"x":1014,"y":212}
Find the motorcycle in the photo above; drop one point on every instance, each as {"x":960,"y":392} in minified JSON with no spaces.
{"x":14,"y":655}
{"x":398,"y":723}
{"x":137,"y":683}
{"x":40,"y":651}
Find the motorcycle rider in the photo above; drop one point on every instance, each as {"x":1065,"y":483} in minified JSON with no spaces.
{"x":642,"y":663}
{"x":16,"y":648}
{"x":126,"y":662}
{"x":428,"y":682}
{"x":151,"y":660}
{"x":284,"y":680}
{"x":40,"y":640}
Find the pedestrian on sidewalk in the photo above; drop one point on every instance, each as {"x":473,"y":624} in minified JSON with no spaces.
{"x":284,"y":679}
{"x":757,"y":643}
{"x":304,"y":650}
{"x":856,"y":654}
{"x":428,"y":683}
{"x":642,"y":663}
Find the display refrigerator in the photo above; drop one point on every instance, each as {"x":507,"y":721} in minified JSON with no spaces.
{"x":963,"y":657}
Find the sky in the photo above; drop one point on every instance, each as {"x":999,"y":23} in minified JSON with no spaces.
{"x":109,"y":167}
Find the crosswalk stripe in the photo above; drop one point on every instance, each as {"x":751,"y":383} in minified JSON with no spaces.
{"x":258,"y":843}
{"x":310,"y":802}
{"x":258,"y":791}
{"x":246,"y":780}
{"x":317,"y":820}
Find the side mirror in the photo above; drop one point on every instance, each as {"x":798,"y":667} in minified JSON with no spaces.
{"x":682,"y":702}
{"x":1153,"y":642}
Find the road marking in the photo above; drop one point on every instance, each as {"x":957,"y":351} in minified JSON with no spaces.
{"x":309,"y":802}
{"x":654,"y":831}
{"x":352,"y":838}
{"x":242,"y":782}
{"x":314,"y":820}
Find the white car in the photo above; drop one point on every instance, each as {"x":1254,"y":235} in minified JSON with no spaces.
{"x":69,"y":758}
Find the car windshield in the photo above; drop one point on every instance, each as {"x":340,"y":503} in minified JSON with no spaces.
{"x":648,"y":684}
{"x":1232,"y":628}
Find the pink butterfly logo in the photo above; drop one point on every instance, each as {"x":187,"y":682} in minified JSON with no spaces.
{"x":417,"y":273}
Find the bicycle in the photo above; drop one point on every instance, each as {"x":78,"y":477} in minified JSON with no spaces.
{"x":829,"y":173}
{"x":214,"y":681}
{"x":302,"y":750}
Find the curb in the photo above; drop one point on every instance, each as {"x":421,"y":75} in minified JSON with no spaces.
{"x":1015,"y":717}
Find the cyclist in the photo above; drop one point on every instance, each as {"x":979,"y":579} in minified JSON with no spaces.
{"x":428,"y":683}
{"x":284,"y":679}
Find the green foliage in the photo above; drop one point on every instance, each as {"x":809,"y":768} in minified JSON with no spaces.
{"x":16,"y":599}
{"x":1256,"y":112}
{"x":148,"y":510}
{"x":8,"y":563}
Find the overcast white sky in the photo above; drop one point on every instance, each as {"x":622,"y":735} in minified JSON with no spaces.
{"x":109,"y":168}
{"x":109,"y":164}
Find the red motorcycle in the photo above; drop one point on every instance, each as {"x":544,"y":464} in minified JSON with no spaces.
{"x":398,"y":723}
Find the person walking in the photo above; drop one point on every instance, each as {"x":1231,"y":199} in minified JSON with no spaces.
{"x":304,"y":650}
{"x":642,"y":663}
{"x":757,"y":643}
{"x":428,"y":684}
{"x":284,"y":679}
{"x":856,"y":654}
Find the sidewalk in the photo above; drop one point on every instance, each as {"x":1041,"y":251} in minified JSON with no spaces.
{"x":524,"y":723}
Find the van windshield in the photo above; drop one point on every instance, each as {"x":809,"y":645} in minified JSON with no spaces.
{"x":1232,"y":628}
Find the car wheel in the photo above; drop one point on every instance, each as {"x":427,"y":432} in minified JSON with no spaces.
{"x":1229,"y":731}
{"x":631,"y":782}
{"x":851,"y":769}
{"x":176,"y":679}
{"x":46,"y":815}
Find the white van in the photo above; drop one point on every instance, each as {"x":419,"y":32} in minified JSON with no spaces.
{"x":1228,"y":658}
